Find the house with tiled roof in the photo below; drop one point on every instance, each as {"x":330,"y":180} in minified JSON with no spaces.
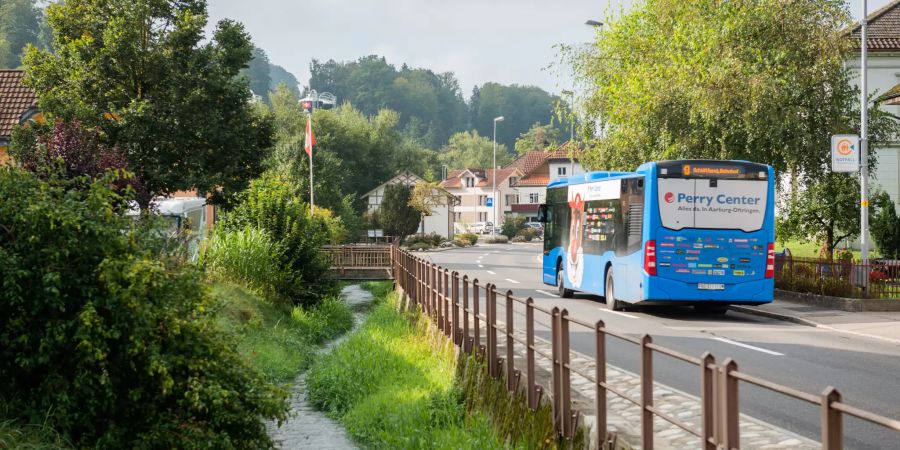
{"x":883,"y":46}
{"x":473,"y":187}
{"x":539,"y":169}
{"x":440,"y":221}
{"x":18,"y":105}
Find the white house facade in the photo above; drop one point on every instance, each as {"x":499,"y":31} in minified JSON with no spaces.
{"x":442,"y":211}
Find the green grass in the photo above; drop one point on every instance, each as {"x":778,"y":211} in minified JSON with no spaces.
{"x":278,"y":341}
{"x":14,"y":435}
{"x":809,"y":249}
{"x":391,"y":389}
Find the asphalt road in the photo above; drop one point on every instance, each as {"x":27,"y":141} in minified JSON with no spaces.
{"x":866,"y":371}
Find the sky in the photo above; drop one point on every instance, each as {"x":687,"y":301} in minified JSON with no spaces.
{"x":505,"y":41}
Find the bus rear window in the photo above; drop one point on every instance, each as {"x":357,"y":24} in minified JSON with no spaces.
{"x":713,"y":203}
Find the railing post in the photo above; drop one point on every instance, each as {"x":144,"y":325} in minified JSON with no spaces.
{"x":646,"y":392}
{"x":707,"y":401}
{"x":492,"y":331}
{"x":510,"y":343}
{"x":557,"y":389}
{"x":454,"y":322}
{"x":529,"y":352}
{"x":447,"y":295}
{"x":600,"y":375}
{"x":832,"y":425}
{"x":465,"y":335}
{"x":476,"y":304}
{"x":730,"y":410}
{"x":565,"y":355}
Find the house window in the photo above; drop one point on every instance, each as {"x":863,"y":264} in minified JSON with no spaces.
{"x":512,"y":180}
{"x":482,"y":216}
{"x":560,"y":170}
{"x":534,"y":198}
{"x":512,"y":199}
{"x":470,"y":182}
{"x":482,"y":200}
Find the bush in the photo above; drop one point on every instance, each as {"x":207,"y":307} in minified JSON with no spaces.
{"x":111,"y":341}
{"x":461,"y":242}
{"x":528,"y":234}
{"x":471,"y":237}
{"x":519,"y":238}
{"x":432,"y":239}
{"x":247,"y":256}
{"x":273,"y":205}
{"x":512,"y":226}
{"x":420,"y":246}
{"x":498,"y":239}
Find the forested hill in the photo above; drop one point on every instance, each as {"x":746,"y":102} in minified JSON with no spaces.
{"x":431,"y":105}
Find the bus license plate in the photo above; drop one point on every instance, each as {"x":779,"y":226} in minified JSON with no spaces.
{"x":711,"y":286}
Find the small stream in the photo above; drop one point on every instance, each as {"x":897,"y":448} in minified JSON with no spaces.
{"x":308,"y":428}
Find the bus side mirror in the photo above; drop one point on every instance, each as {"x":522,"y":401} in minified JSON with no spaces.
{"x":542,"y":214}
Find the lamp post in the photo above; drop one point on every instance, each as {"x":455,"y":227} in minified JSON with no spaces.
{"x":494,"y":179}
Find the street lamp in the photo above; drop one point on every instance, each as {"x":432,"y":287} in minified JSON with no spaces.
{"x":494,"y":177}
{"x":594,"y":23}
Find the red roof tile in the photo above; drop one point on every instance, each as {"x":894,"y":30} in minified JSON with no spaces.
{"x":15,"y":100}
{"x":883,"y":30}
{"x":528,"y":162}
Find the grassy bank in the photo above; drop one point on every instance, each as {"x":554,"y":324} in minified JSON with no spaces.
{"x":391,"y":389}
{"x":277,"y":340}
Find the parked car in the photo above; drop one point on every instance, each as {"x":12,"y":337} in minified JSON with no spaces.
{"x":536,"y":226}
{"x":481,"y":227}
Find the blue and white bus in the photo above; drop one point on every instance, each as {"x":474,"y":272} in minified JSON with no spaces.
{"x":689,"y":232}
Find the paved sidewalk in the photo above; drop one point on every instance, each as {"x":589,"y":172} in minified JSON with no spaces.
{"x":884,"y":326}
{"x":624,"y":418}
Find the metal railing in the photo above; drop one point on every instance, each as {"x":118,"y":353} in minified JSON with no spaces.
{"x":445,"y":298}
{"x":358,"y":256}
{"x":879,"y":278}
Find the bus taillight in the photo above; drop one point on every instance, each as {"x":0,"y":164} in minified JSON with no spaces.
{"x":650,"y":257}
{"x":770,"y":261}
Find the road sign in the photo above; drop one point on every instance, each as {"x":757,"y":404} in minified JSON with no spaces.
{"x":489,"y":202}
{"x":844,"y":153}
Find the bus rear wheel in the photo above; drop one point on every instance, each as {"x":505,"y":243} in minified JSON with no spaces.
{"x":611,"y":302}
{"x":563,"y":292}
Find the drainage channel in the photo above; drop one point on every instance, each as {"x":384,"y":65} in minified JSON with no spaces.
{"x":307,"y":427}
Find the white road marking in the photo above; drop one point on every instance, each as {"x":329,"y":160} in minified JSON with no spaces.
{"x":512,"y":281}
{"x":619,"y":313}
{"x":486,"y":254}
{"x":546,"y":293}
{"x":751,"y":347}
{"x":481,"y":266}
{"x":492,"y":272}
{"x":495,"y":251}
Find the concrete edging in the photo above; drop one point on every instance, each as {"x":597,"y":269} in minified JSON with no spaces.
{"x":840,"y":303}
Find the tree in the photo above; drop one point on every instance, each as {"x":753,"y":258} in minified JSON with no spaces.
{"x":171,"y":99}
{"x":522,"y":106}
{"x":397,"y":217}
{"x":761,"y":81}
{"x":468,"y":149}
{"x":430,"y":105}
{"x":426,"y":195}
{"x":538,"y":138}
{"x":279,"y":75}
{"x":258,"y":73}
{"x":885,"y":226}
{"x":68,"y":150}
{"x":20,"y":25}
{"x":826,"y":210}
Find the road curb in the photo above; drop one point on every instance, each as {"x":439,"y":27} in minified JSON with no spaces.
{"x":809,"y":323}
{"x":774,"y":315}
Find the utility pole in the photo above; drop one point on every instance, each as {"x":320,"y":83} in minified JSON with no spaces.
{"x":864,"y":139}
